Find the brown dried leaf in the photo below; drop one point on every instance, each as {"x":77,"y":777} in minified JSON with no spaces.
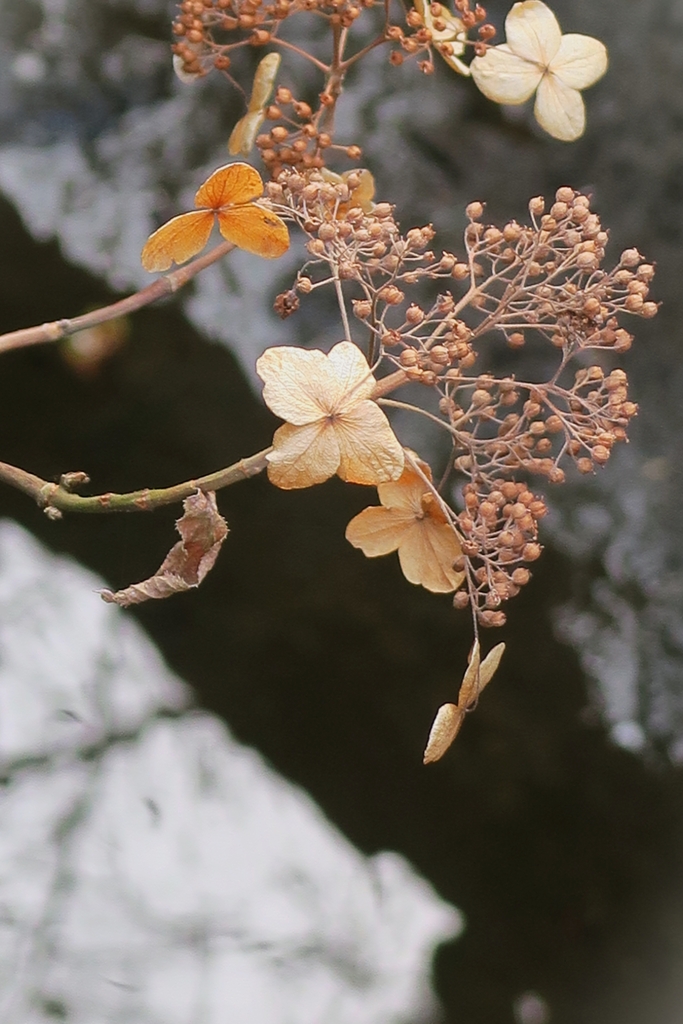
{"x":203,"y":531}
{"x":446,"y":726}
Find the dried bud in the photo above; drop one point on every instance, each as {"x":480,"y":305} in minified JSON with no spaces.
{"x":286,"y":303}
{"x":362,"y":308}
{"x":408,"y":357}
{"x":630,"y":258}
{"x":474,"y":211}
{"x":414,"y":315}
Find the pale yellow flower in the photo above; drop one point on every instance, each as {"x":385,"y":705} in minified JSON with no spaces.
{"x":410,"y":520}
{"x":332,"y":425}
{"x":537,"y":56}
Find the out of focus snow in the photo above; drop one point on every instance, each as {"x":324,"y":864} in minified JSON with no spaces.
{"x":153,"y":869}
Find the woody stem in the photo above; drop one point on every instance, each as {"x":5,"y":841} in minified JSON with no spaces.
{"x":166,"y":285}
{"x":58,"y":498}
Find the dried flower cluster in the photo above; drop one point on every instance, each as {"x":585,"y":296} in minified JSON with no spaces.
{"x":208,"y":31}
{"x":473,"y":532}
{"x":543,"y":283}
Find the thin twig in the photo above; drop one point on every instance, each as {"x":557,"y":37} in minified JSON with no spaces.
{"x":166,"y":285}
{"x":302,"y":53}
{"x":342,"y":304}
{"x":58,"y":498}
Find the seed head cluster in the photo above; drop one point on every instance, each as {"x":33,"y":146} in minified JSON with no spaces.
{"x":540,"y":284}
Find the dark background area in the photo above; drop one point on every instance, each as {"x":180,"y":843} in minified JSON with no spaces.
{"x":562,"y":850}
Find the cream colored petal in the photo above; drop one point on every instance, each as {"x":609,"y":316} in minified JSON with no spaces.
{"x":580,"y":61}
{"x":243,"y":135}
{"x":469,"y":688}
{"x":504,"y":77}
{"x":489,"y":665}
{"x":296,"y":382}
{"x":303,"y":456}
{"x":369,"y":450}
{"x":454,"y":62}
{"x":560,"y":110}
{"x":405,"y":494}
{"x":479,"y":675}
{"x":453,"y":33}
{"x":427,"y":555}
{"x":264,"y":80}
{"x":532,"y":32}
{"x":446,"y":726}
{"x":351,"y":375}
{"x":378,"y":531}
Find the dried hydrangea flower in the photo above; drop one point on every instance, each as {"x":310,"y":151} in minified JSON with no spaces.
{"x":332,"y":425}
{"x":537,"y":56}
{"x":228,"y":196}
{"x":411,"y":521}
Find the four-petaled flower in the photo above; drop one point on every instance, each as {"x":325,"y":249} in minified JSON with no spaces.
{"x":537,"y":56}
{"x":410,"y":520}
{"x":332,"y":425}
{"x":228,"y":196}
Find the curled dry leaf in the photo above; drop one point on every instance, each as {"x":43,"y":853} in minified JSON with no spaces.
{"x":332,"y":425}
{"x":228,"y":196}
{"x":411,"y":521}
{"x":244,"y":133}
{"x":537,"y":56}
{"x":450,"y":717}
{"x":203,"y":531}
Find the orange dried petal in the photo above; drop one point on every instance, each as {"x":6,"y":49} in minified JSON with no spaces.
{"x":406,"y":492}
{"x":233,"y":183}
{"x":177,"y":241}
{"x":254,"y":229}
{"x":427,"y":555}
{"x":378,"y":531}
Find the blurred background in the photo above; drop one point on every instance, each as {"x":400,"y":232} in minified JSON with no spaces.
{"x":213,"y":808}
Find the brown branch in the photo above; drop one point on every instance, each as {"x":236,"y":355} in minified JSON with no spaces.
{"x":166,"y":285}
{"x":385,"y":385}
{"x":58,"y":498}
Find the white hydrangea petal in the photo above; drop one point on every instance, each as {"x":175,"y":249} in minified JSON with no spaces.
{"x":560,"y":110}
{"x":504,"y":77}
{"x":532,"y":32}
{"x":454,"y":32}
{"x":580,"y":61}
{"x":297,"y":383}
{"x":453,"y":61}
